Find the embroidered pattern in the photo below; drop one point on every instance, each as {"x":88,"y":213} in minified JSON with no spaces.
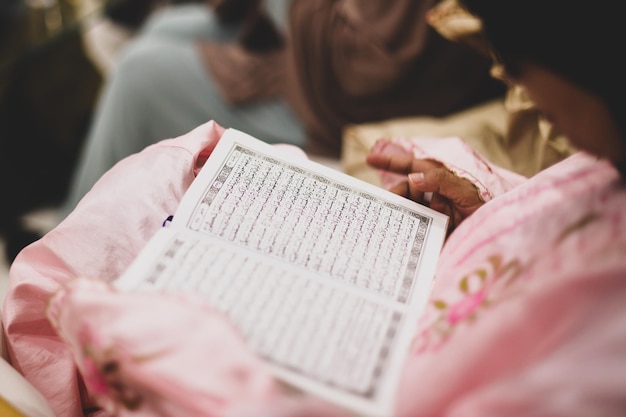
{"x":477,"y":290}
{"x":101,"y":374}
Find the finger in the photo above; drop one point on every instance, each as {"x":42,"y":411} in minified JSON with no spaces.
{"x":445,"y":206}
{"x":419,"y":184}
{"x":415,"y":191}
{"x":401,"y":189}
{"x":400,"y":163}
{"x":390,"y":156}
{"x":444,"y":182}
{"x":457,"y":188}
{"x":441,"y":204}
{"x":388,"y":147}
{"x":404,"y":190}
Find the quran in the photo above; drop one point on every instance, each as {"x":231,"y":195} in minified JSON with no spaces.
{"x":324,"y":275}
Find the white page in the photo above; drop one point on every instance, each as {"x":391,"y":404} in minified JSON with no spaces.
{"x":330,"y":302}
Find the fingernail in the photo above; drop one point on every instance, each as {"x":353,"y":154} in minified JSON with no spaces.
{"x":416,"y":177}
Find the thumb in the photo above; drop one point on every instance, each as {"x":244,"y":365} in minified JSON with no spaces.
{"x":452,"y":195}
{"x":421,"y":186}
{"x":445,"y":183}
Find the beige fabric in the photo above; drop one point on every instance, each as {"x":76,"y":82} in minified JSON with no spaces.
{"x":454,"y":23}
{"x":529,"y":140}
{"x":482,"y":127}
{"x":510,"y":133}
{"x":20,"y":396}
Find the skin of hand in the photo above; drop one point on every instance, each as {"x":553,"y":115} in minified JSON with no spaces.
{"x":451,"y":195}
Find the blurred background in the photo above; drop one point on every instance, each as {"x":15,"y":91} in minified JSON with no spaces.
{"x":54,"y":56}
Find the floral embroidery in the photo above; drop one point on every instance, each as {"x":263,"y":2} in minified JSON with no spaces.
{"x":92,"y":376}
{"x":101,"y":373}
{"x":581,"y":223}
{"x":466,"y":307}
{"x":478,"y":290}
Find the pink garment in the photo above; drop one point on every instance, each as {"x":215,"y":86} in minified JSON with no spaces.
{"x":458,"y":157}
{"x":146,"y":355}
{"x":99,"y":239}
{"x":526,"y":316}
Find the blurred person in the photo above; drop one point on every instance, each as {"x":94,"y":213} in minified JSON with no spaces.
{"x":527,"y":310}
{"x":508,"y":131}
{"x":283,"y":71}
{"x":526,"y":315}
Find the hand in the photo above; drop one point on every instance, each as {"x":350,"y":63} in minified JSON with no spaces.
{"x":451,"y":195}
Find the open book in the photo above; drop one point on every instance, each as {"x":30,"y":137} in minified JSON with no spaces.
{"x":323,"y":274}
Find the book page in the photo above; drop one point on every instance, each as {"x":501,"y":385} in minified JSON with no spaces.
{"x":323,"y":274}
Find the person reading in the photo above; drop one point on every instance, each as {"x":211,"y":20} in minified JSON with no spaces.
{"x":527,"y":309}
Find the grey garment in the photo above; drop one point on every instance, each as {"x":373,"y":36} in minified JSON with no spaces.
{"x":278,"y":11}
{"x":160,"y":89}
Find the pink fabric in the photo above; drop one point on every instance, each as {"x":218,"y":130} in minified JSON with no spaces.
{"x":99,"y":239}
{"x":460,"y":158}
{"x":157,"y":355}
{"x":527,"y":314}
{"x":526,"y":317}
